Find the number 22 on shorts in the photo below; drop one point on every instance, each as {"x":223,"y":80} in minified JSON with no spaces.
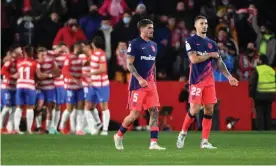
{"x":195,"y":91}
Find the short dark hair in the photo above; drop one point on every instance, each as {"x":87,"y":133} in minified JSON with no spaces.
{"x":106,"y":18}
{"x":29,"y":50}
{"x":61,"y":44}
{"x":41,"y":49}
{"x":223,"y":29}
{"x":13,"y":47}
{"x":143,"y":23}
{"x":98,"y":41}
{"x":264,"y":59}
{"x":200,"y":17}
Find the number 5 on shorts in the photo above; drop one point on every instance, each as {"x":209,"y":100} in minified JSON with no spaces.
{"x":195,"y":91}
{"x":135,"y":97}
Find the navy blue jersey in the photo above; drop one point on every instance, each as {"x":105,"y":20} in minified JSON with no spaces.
{"x":145,"y":54}
{"x":201,"y":72}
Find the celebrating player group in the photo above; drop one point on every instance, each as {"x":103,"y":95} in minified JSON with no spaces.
{"x":78,"y":79}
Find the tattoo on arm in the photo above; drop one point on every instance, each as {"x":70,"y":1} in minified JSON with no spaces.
{"x":222,"y":67}
{"x":131,"y":68}
{"x":153,"y":116}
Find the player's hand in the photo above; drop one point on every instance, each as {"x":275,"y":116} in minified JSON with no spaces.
{"x":233,"y":81}
{"x":15,"y":76}
{"x":77,"y":81}
{"x":213,"y":55}
{"x":87,"y":74}
{"x":143,"y":82}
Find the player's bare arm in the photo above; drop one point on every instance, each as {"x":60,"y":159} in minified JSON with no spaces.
{"x":133,"y":71}
{"x":41,"y":75}
{"x":222,"y":67}
{"x":194,"y":58}
{"x":7,"y":57}
{"x":101,"y":70}
{"x":56,"y":71}
{"x":153,"y":116}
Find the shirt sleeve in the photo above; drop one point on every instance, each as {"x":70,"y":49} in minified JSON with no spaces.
{"x":216,"y":48}
{"x":102,"y":59}
{"x":5,"y":69}
{"x":66,"y":70}
{"x":190,"y":45}
{"x":132,"y":50}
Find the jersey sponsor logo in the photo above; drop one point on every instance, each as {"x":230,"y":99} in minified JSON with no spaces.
{"x":188,"y":47}
{"x":153,"y":48}
{"x":210,"y":45}
{"x":201,"y":53}
{"x":102,"y":58}
{"x":129,"y":48}
{"x":148,"y":58}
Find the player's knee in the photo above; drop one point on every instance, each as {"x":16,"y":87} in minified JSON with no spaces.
{"x":133,"y":117}
{"x":194,"y":109}
{"x":208,"y":109}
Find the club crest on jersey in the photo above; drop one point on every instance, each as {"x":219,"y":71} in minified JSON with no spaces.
{"x":210,"y":45}
{"x":153,"y":48}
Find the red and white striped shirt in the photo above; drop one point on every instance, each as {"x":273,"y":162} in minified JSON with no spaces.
{"x":72,"y":69}
{"x":9,"y":69}
{"x":26,"y":68}
{"x":46,"y":66}
{"x":86,"y":80}
{"x":59,"y":81}
{"x":98,"y":58}
{"x":51,"y":54}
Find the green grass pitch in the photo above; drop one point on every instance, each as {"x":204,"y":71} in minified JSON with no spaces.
{"x":233,"y":148}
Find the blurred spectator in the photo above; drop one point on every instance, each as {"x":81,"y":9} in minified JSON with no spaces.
{"x":90,"y":23}
{"x":47,"y":30}
{"x":140,"y":13}
{"x":251,"y":11}
{"x":183,"y":14}
{"x":162,"y":36}
{"x":266,"y":42}
{"x":223,"y":4}
{"x":78,"y":8}
{"x":262,"y":89}
{"x":162,"y":76}
{"x":115,"y":9}
{"x":179,"y":35}
{"x":105,"y":32}
{"x":69,"y":34}
{"x":171,"y":23}
{"x":229,"y":43}
{"x":247,"y":62}
{"x":209,"y":10}
{"x":125,"y":30}
{"x":25,"y":29}
{"x":227,"y":21}
{"x":227,"y":59}
{"x":122,"y":74}
{"x":57,"y":6}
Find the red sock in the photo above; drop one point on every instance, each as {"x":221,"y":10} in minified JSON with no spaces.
{"x":206,"y":126}
{"x":188,"y":121}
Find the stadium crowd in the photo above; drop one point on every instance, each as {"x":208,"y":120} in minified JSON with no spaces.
{"x":242,"y":30}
